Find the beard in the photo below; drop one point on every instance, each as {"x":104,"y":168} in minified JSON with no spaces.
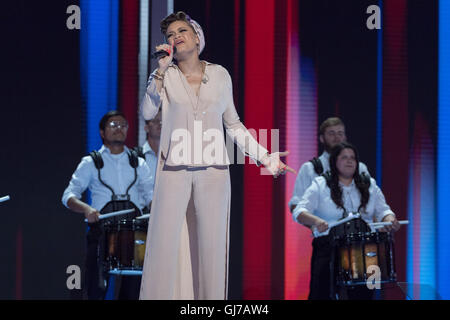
{"x":154,"y":135}
{"x":328,"y":147}
{"x":117,"y":142}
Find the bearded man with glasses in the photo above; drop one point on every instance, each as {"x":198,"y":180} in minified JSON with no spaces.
{"x":118,"y":180}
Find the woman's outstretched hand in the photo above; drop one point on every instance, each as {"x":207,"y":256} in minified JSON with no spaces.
{"x":275,"y":166}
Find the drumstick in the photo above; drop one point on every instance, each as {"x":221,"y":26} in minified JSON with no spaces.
{"x":5,"y":198}
{"x":144,"y":216}
{"x":113,"y":214}
{"x":336,"y":223}
{"x":378,"y":225}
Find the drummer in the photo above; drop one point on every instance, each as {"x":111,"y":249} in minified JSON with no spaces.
{"x":332,"y":197}
{"x":115,"y":176}
{"x":331,"y":132}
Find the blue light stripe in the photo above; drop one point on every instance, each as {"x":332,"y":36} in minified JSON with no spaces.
{"x":443,"y":152}
{"x":99,"y":63}
{"x":410,"y":234}
{"x":427,"y":265}
{"x":98,"y":67}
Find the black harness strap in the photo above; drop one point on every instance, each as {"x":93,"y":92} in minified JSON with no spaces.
{"x":318,"y":167}
{"x":98,"y":162}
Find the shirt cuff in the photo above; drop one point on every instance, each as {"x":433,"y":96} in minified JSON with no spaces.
{"x":386,"y":213}
{"x":297,"y":211}
{"x":67,"y":197}
{"x":293,"y":201}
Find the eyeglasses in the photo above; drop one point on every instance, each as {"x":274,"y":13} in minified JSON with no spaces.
{"x":114,"y":125}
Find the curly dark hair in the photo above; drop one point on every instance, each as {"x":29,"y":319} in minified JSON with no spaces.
{"x":333,"y":182}
{"x":179,"y":16}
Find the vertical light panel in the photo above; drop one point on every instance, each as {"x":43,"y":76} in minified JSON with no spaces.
{"x":258,"y":108}
{"x":395,"y":120}
{"x":99,"y":60}
{"x":421,"y":257}
{"x":128,"y":82}
{"x":443,"y":152}
{"x":99,"y":39}
{"x":159,"y":10}
{"x":301,"y":141}
{"x":169,"y":6}
{"x":379,"y":166}
{"x":151,"y":13}
{"x":144,"y":40}
{"x":237,"y":47}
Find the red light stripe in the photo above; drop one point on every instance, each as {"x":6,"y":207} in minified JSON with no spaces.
{"x":258,"y":108}
{"x":395,"y":146}
{"x":128,"y":66}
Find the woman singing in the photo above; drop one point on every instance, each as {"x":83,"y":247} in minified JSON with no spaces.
{"x":196,"y":100}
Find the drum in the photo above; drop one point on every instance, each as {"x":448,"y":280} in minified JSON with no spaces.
{"x":358,"y":253}
{"x":125,"y":244}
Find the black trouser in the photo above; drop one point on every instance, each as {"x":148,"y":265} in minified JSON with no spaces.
{"x":96,"y":277}
{"x":130,"y":287}
{"x":322,"y":285}
{"x":319,"y":287}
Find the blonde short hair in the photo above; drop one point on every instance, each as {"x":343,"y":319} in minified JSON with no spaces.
{"x":330,"y":122}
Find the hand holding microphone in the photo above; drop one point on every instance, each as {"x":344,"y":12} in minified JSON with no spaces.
{"x":164,"y":53}
{"x":160,"y":53}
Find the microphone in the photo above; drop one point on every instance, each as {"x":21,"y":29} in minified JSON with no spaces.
{"x":162,"y":53}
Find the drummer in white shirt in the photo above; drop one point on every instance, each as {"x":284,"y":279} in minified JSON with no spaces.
{"x":116,"y":172}
{"x":330,"y":199}
{"x":331,"y":133}
{"x":115,"y":177}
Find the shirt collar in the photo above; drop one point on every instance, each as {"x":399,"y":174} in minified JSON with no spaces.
{"x":351,"y":185}
{"x":174,"y":65}
{"x":146,"y":148}
{"x":325,"y":156}
{"x":105,"y":149}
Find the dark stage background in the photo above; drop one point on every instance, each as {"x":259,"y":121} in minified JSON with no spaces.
{"x":44,"y":126}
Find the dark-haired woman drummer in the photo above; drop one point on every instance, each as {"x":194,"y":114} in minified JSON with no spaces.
{"x":329,"y":200}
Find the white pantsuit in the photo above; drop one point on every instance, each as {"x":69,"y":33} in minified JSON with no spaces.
{"x":206,"y":238}
{"x":187,"y":241}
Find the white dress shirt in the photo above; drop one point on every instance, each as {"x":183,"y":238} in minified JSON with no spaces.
{"x":116,"y":173}
{"x":307,"y":173}
{"x":317,"y":200}
{"x":152,"y":162}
